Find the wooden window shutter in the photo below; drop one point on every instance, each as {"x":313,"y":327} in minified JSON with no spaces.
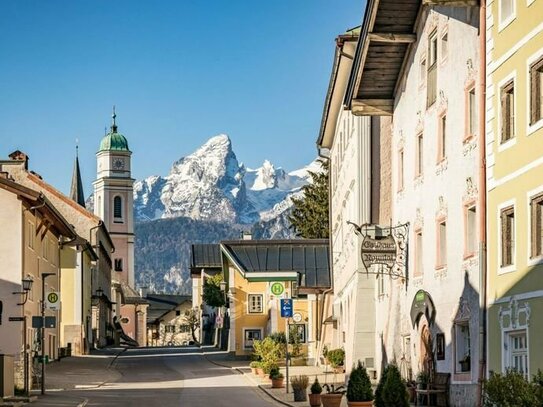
{"x":505,"y":115}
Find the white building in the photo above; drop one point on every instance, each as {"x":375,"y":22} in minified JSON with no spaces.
{"x":423,"y":71}
{"x":354,"y":147}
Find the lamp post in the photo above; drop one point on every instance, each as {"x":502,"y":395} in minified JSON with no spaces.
{"x":27,"y":286}
{"x":42,"y":340}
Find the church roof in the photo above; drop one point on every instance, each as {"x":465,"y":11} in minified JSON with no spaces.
{"x":76,"y":189}
{"x":114,"y":141}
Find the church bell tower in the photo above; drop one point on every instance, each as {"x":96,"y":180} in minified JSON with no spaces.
{"x":113,"y":200}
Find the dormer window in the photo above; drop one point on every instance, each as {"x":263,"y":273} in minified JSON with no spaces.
{"x":117,"y":209}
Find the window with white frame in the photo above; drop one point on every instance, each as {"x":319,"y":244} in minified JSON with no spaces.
{"x":507,"y":10}
{"x":444,"y":45}
{"x":250,"y":336}
{"x":419,"y":162}
{"x":418,"y":252}
{"x":516,"y":351}
{"x":507,"y":216}
{"x":536,"y":91}
{"x":462,"y":346}
{"x":431,"y":91}
{"x":400,"y":169}
{"x":299,"y":330}
{"x":442,"y":244}
{"x":472,"y":112}
{"x":507,"y":99}
{"x":471,"y":230}
{"x":536,"y":224}
{"x":442,"y":141}
{"x":254,"y":303}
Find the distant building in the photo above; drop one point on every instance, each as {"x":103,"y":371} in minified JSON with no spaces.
{"x":256,"y":275}
{"x":514,"y":140}
{"x":166,"y":324}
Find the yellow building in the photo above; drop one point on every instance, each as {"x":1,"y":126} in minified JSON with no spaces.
{"x":514,"y":132}
{"x":257,"y":274}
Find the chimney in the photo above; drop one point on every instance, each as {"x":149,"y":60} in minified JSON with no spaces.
{"x":18,"y":155}
{"x":144,"y":291}
{"x":247,"y":235}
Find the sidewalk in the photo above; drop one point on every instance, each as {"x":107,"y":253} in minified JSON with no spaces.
{"x":280,"y":395}
{"x":94,"y":370}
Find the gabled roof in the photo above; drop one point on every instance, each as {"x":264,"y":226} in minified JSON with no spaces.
{"x":304,"y":260}
{"x":42,"y":204}
{"x":345,"y":46}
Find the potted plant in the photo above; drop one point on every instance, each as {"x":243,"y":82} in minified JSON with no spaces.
{"x":336,"y":357}
{"x":254,"y":365}
{"x":333,"y":396}
{"x":422,"y":380}
{"x":392,"y":390}
{"x":276,"y":378}
{"x":465,"y":364}
{"x":315,"y":395}
{"x":299,"y":387}
{"x":359,"y":392}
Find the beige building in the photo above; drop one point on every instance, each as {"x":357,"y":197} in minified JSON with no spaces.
{"x":34,"y":235}
{"x":166,"y":323}
{"x":86,"y":267}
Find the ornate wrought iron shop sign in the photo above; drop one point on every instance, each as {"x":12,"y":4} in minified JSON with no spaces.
{"x":385,"y":246}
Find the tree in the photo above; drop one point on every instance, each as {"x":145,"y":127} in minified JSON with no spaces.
{"x":192,"y":319}
{"x":212,"y":295}
{"x":309,"y":217}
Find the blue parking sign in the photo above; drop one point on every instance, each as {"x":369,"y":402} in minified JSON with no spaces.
{"x":286,"y":308}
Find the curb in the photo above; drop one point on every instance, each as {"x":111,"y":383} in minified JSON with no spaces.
{"x":261,"y":387}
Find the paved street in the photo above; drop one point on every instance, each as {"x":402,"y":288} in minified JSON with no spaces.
{"x":148,"y":377}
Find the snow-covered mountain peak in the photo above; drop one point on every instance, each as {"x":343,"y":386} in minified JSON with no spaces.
{"x":210,"y":184}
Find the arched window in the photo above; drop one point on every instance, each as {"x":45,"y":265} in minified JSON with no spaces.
{"x":117,"y":209}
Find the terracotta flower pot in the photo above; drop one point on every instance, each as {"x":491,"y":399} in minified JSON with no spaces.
{"x":253,"y":370}
{"x":360,"y":403}
{"x":331,"y":400}
{"x":315,"y":400}
{"x":277,"y":383}
{"x":259,"y":371}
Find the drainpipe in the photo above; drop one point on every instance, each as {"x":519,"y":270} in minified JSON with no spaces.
{"x":482,"y":204}
{"x":326,"y":156}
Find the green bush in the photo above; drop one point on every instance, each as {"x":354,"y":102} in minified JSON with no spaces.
{"x":268,"y":352}
{"x":275,"y":373}
{"x":316,"y":387}
{"x":336,"y":357}
{"x":359,"y":386}
{"x":379,"y":402}
{"x":299,"y":382}
{"x":394,"y":391}
{"x":512,"y":389}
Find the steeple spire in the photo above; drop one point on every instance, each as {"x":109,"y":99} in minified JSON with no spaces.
{"x":113,"y":124}
{"x":76,"y":189}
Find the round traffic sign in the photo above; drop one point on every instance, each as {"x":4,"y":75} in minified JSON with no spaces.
{"x":297,"y":317}
{"x":52,"y":297}
{"x":277,"y":288}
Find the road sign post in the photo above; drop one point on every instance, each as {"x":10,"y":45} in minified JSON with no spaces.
{"x":286,"y":308}
{"x":286,"y":312}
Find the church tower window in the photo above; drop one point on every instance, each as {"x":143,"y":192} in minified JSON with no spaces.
{"x":118,"y":209}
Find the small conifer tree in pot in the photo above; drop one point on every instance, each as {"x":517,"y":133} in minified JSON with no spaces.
{"x":359,"y":391}
{"x":315,"y":395}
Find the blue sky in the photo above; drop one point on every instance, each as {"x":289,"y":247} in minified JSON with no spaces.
{"x":179,"y":72}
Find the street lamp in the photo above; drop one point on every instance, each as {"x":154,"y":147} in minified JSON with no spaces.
{"x":42,"y":339}
{"x":27,"y":286}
